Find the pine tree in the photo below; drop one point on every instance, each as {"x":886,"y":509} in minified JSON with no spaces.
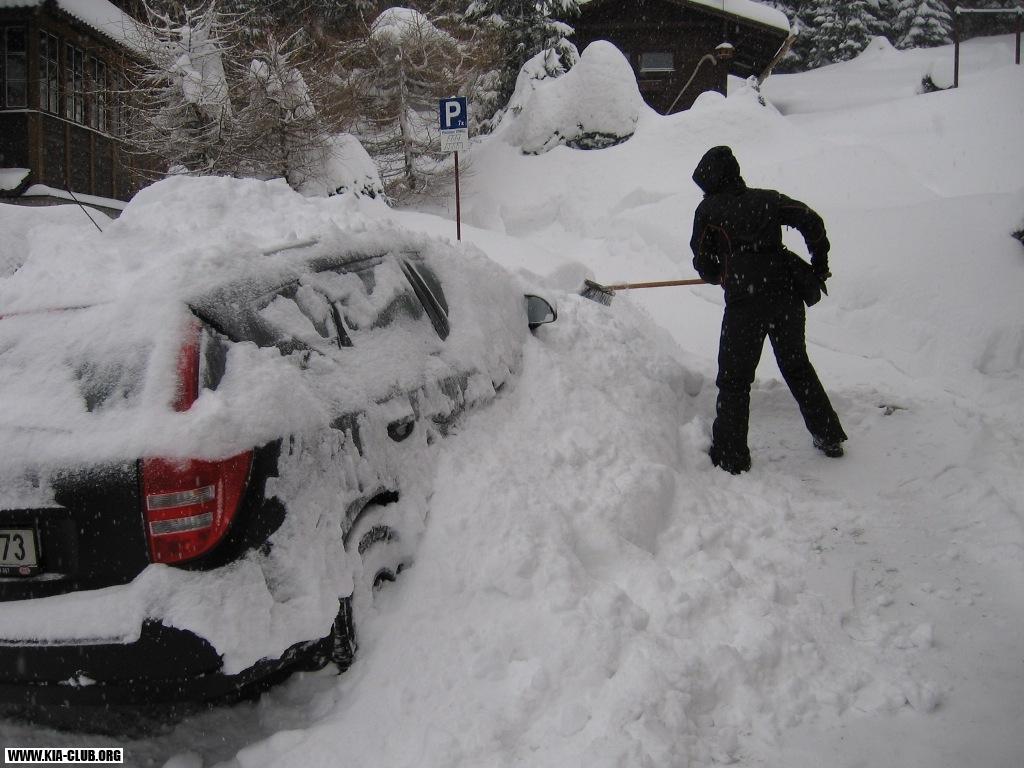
{"x":928,"y":23}
{"x":880,"y":13}
{"x":842,"y":30}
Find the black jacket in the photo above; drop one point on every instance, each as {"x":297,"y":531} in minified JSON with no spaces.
{"x":737,"y":233}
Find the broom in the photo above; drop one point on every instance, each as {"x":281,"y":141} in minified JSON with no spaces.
{"x":603,"y":294}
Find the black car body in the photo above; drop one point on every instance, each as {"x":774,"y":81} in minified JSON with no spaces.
{"x":239,"y":469}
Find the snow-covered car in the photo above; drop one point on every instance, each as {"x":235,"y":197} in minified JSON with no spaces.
{"x":207,"y":471}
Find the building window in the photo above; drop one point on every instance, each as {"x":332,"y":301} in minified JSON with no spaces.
{"x":97,"y":101}
{"x":74,"y":84}
{"x":117,"y":104}
{"x":13,"y":69}
{"x":654,"y":62}
{"x":49,"y":93}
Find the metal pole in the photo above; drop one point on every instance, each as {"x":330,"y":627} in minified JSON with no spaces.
{"x":458,"y":202}
{"x":956,"y":48}
{"x":1020,"y":15}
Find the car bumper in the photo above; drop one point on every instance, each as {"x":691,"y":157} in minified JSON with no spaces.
{"x":164,"y":666}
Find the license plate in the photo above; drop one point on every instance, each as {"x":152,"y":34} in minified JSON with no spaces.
{"x":19,"y":555}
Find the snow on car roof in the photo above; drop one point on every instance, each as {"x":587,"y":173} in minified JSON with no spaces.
{"x":129,"y":289}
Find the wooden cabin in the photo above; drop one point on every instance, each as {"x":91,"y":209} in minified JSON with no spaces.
{"x":61,"y":105}
{"x":681,"y":48}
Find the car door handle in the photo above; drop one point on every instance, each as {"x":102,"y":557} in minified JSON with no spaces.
{"x":401,"y":429}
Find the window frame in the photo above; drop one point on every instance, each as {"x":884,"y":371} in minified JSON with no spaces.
{"x":661,"y":69}
{"x":74,"y":84}
{"x":430,"y":295}
{"x":49,"y":72}
{"x":6,"y":57}
{"x":116,"y":103}
{"x":96,"y":95}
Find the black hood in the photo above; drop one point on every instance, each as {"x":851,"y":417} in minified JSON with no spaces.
{"x":718,"y":171}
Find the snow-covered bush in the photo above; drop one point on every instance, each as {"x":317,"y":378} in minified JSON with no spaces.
{"x":343,"y":167}
{"x":518,"y":32}
{"x":596,"y":104}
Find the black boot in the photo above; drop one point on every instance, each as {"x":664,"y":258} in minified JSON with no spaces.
{"x":732,"y":464}
{"x":831,"y":448}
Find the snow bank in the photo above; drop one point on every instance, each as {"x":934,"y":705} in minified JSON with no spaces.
{"x":595,"y":104}
{"x":627,"y":604}
{"x":596,"y":593}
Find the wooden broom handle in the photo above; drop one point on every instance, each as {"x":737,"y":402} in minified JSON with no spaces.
{"x":656,"y":284}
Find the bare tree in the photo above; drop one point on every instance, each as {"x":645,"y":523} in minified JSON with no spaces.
{"x":279,"y":131}
{"x":398,"y":71}
{"x":179,"y":109}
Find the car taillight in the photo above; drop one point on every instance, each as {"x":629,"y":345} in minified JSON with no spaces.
{"x":189,"y":504}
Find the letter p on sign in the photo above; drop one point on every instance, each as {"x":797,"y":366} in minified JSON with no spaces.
{"x":454,"y":115}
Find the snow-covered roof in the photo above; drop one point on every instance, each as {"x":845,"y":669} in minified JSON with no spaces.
{"x":744,"y":9}
{"x":100,"y":15}
{"x":41,"y":190}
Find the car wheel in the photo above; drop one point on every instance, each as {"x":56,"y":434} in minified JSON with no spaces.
{"x":374,"y":543}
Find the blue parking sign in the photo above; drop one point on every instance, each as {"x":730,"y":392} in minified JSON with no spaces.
{"x":453,"y":113}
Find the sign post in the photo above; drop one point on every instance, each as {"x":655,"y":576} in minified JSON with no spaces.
{"x":453,"y":115}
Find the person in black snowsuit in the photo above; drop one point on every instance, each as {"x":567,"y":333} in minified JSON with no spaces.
{"x":737,"y":243}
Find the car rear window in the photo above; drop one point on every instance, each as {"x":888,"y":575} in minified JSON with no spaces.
{"x":108,"y":380}
{"x":336,"y":306}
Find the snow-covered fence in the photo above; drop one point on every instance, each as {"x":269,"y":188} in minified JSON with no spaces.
{"x":958,"y":11}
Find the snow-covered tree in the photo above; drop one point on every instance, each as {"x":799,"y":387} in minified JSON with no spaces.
{"x":278,"y":131}
{"x":923,"y":23}
{"x":520,"y":29}
{"x":180,"y":110}
{"x":841,"y":30}
{"x":399,"y":71}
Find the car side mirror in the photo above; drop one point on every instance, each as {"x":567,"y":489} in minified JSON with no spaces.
{"x":539,"y":311}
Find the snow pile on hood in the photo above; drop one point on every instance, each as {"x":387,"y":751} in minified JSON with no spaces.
{"x":595,"y":104}
{"x":47,"y":226}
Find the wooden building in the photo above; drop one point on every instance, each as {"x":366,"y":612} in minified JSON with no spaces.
{"x":61,"y":105}
{"x":681,"y":48}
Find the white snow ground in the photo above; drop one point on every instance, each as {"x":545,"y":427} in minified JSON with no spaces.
{"x":591,"y":591}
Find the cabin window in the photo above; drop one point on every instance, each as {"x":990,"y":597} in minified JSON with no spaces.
{"x":13,"y":68}
{"x":656,"y":61}
{"x":48,"y":89}
{"x":74,"y":84}
{"x":97,"y":94}
{"x":117,"y":104}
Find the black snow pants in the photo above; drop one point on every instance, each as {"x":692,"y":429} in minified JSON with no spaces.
{"x":744,"y":327}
